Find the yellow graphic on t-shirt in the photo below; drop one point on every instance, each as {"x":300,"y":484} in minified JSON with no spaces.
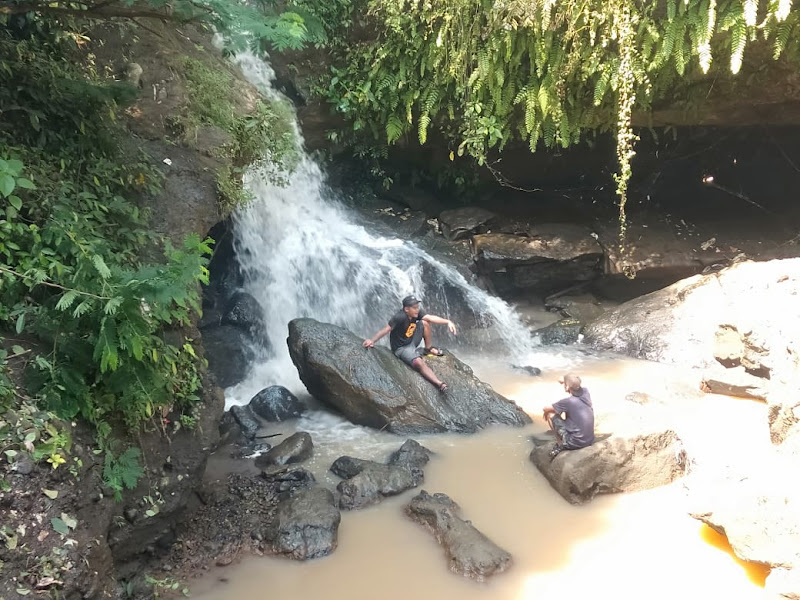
{"x":411,"y":329}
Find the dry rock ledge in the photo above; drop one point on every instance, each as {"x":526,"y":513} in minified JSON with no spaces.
{"x":371,"y":387}
{"x":469,"y":552}
{"x":614,"y":463}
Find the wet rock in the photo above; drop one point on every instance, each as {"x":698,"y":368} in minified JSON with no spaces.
{"x":371,"y":387}
{"x":288,"y":478}
{"x":532,"y":371}
{"x":250,"y":449}
{"x":374,"y":483}
{"x":229,"y":354}
{"x":210,"y":140}
{"x":565,"y":331}
{"x":615,"y":463}
{"x":294,"y":449}
{"x":306,"y":525}
{"x":581,"y":307}
{"x":246,"y":420}
{"x":415,"y":199}
{"x":469,"y":552}
{"x":276,"y":403}
{"x":244,"y":312}
{"x":411,"y":455}
{"x":553,"y":257}
{"x":461,"y":222}
{"x":347,"y":466}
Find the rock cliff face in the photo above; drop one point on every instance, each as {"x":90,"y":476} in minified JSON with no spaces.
{"x":114,"y":538}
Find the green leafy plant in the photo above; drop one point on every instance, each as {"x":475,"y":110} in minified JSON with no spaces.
{"x":483,"y":74}
{"x":122,"y":471}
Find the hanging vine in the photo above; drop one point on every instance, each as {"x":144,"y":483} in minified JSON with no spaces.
{"x":485,"y":72}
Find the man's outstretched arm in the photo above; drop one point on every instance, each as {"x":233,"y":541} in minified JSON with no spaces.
{"x":441,"y":321}
{"x":371,"y":342}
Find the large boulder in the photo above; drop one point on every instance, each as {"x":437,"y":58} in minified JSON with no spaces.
{"x":306,"y":525}
{"x":553,"y":257}
{"x":615,"y":463}
{"x":469,"y":552}
{"x":372,"y":387}
{"x":276,"y":403}
{"x":740,"y":316}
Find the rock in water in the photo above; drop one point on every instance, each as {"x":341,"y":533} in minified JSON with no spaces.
{"x":469,"y":552}
{"x":615,"y":464}
{"x":276,"y":403}
{"x":374,"y":482}
{"x":306,"y":525}
{"x":371,"y":387}
{"x":294,"y":449}
{"x":411,"y":455}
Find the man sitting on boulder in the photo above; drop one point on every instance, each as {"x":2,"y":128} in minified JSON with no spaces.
{"x":576,"y":429}
{"x":407,"y":328}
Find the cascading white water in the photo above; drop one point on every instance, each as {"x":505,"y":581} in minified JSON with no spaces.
{"x":303,"y":255}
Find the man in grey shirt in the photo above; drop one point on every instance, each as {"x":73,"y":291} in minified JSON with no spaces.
{"x":576,"y":428}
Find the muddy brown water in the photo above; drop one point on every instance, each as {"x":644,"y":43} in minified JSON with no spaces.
{"x":624,"y":546}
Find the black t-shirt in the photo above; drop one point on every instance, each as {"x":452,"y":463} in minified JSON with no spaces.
{"x":404,"y":329}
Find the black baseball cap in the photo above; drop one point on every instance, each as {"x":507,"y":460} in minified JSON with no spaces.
{"x":410,"y":301}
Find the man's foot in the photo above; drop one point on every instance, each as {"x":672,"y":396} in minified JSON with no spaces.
{"x":442,"y":387}
{"x":433,"y":351}
{"x":557,"y":449}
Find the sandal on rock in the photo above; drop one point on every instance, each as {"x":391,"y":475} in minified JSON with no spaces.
{"x":433,"y":351}
{"x":443,"y":387}
{"x":556,"y":451}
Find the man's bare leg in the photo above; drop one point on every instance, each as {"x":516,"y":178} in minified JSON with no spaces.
{"x":553,"y":429}
{"x":426,"y":334}
{"x":426,"y":372}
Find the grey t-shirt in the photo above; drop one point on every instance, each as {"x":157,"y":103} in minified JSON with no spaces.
{"x":579,"y":418}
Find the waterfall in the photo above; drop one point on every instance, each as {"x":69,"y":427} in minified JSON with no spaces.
{"x":304,"y":255}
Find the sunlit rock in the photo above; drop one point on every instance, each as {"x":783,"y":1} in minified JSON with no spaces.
{"x":614,"y":463}
{"x":306,"y":525}
{"x":744,"y":315}
{"x":469,"y":552}
{"x":372,"y":387}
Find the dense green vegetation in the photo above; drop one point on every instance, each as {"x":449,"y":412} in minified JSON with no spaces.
{"x":484,"y":72}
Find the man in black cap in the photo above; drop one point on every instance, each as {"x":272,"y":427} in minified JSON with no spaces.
{"x":406,"y":329}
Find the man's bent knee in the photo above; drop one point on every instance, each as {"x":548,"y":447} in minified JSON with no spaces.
{"x":417,"y":363}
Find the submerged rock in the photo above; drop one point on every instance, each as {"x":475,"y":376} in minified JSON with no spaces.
{"x":306,"y":525}
{"x":276,"y":403}
{"x":372,"y":387}
{"x":294,"y":449}
{"x":612,"y":464}
{"x":469,"y":552}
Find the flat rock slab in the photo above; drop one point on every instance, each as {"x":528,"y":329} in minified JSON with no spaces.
{"x":469,"y":552}
{"x":306,"y":525}
{"x":610,"y":465}
{"x":374,"y":482}
{"x":372,"y":387}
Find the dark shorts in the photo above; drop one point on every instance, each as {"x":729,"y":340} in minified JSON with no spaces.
{"x":561,"y":428}
{"x":408,"y":353}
